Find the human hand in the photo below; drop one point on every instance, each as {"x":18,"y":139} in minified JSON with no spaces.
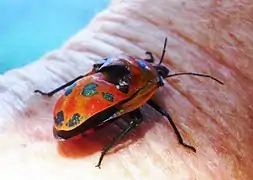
{"x":203,"y":37}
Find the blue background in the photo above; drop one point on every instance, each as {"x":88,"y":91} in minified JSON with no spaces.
{"x":30,"y":28}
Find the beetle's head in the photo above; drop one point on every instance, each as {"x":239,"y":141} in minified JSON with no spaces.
{"x":162,"y":70}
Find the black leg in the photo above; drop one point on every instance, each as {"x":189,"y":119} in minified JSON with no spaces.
{"x":95,"y":69}
{"x":151,"y":59}
{"x":164,"y":113}
{"x":137,"y":119}
{"x":51,"y":93}
{"x":160,"y":81}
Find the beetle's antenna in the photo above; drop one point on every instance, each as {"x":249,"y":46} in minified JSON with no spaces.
{"x":163,"y":53}
{"x":195,"y":74}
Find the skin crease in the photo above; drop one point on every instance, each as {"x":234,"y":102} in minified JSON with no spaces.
{"x":212,"y":37}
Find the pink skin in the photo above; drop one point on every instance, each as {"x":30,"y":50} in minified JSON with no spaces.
{"x":212,"y":37}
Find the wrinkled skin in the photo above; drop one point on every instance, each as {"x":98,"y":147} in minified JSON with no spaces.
{"x":213,"y":37}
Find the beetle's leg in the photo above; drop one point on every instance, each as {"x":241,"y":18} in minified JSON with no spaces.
{"x":164,"y":113}
{"x":95,"y":69}
{"x":51,"y":93}
{"x":151,"y":59}
{"x":137,"y":119}
{"x":160,"y":81}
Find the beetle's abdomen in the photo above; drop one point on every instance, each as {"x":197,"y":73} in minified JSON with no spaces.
{"x":83,"y":100}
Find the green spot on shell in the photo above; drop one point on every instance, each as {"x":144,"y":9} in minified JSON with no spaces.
{"x":89,"y":90}
{"x":108,"y":96}
{"x":74,"y":121}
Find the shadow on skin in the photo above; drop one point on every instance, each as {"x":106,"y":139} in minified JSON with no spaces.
{"x":82,"y":146}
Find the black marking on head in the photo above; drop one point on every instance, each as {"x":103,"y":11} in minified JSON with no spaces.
{"x":98,"y":64}
{"x":119,"y":75}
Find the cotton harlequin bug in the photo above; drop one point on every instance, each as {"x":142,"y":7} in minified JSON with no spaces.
{"x":114,"y":87}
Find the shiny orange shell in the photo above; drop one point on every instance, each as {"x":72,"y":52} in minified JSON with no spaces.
{"x":82,"y":100}
{"x":93,"y":94}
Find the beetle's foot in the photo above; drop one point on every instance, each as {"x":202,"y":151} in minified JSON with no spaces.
{"x":43,"y":93}
{"x":98,"y":165}
{"x":189,"y":147}
{"x":151,"y":59}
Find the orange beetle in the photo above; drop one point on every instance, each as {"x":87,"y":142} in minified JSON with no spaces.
{"x":114,"y":87}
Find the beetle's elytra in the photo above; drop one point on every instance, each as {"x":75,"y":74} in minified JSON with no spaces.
{"x":114,"y":87}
